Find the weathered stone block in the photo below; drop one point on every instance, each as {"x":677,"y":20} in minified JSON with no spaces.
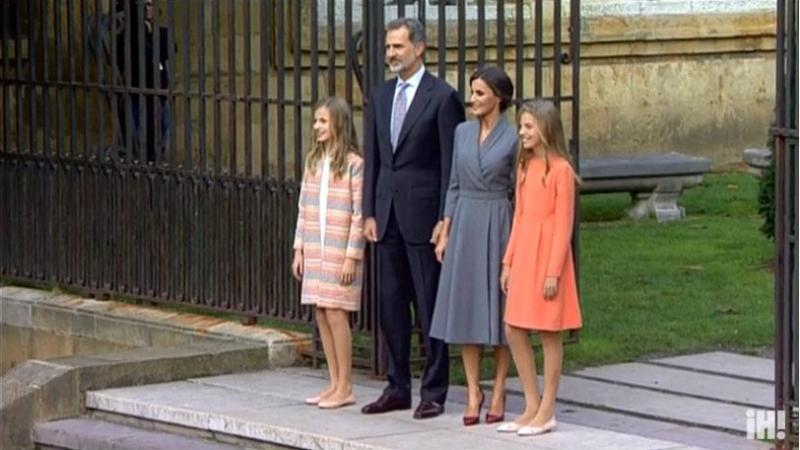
{"x":52,"y":319}
{"x":15,"y":313}
{"x":121,"y":332}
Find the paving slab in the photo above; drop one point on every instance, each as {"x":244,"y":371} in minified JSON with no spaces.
{"x":268,"y":406}
{"x":651,"y":428}
{"x":686,"y":382}
{"x":87,"y":434}
{"x":293,"y":385}
{"x":724,"y":363}
{"x":646,"y":403}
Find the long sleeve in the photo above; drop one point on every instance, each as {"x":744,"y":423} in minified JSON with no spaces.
{"x":564,"y":216}
{"x":301,"y":215}
{"x":451,"y":113}
{"x":355,"y":239}
{"x":453,"y":188}
{"x":371,"y":158}
{"x":512,"y":239}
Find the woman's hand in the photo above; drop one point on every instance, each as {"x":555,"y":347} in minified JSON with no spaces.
{"x":348,"y":271}
{"x":297,"y":265}
{"x":504,"y":276}
{"x":550,"y":288}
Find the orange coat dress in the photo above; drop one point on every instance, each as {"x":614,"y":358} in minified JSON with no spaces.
{"x":539,"y":246}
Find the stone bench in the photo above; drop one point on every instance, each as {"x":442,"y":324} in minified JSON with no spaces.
{"x":758,"y":160}
{"x":654,"y":181}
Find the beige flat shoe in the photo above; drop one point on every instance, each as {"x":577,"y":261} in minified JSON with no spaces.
{"x":330,"y":404}
{"x":313,"y":400}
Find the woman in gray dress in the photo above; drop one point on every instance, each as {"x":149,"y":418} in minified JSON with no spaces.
{"x":476,"y":225}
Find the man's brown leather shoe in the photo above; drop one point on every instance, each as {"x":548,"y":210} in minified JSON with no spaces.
{"x":384,"y":404}
{"x":428,"y":409}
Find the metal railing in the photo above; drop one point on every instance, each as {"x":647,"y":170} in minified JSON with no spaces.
{"x":161,"y":161}
{"x":786,"y":180}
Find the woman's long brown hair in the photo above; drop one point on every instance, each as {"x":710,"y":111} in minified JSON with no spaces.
{"x":343,"y":137}
{"x":548,"y":119}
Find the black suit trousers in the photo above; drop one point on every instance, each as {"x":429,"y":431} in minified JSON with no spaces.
{"x":409,"y":272}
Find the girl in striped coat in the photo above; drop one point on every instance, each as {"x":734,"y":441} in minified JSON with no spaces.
{"x":329,"y":242}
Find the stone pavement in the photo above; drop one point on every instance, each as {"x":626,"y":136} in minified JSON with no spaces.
{"x":613,"y":407}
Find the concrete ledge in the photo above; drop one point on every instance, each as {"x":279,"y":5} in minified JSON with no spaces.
{"x":758,"y":160}
{"x":48,"y":390}
{"x":86,"y":434}
{"x":172,"y":346}
{"x":138,"y":326}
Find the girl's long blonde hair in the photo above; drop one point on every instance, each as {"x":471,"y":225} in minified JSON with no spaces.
{"x":343,"y":137}
{"x":548,"y":119}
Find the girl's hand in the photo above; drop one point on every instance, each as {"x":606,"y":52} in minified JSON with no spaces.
{"x":348,"y":271}
{"x":550,"y":287}
{"x":504,"y":276}
{"x":297,"y":265}
{"x":440,"y":247}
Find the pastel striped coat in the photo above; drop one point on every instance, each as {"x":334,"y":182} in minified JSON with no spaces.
{"x":343,"y":237}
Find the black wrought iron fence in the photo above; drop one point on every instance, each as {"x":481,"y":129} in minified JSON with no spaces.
{"x":786,"y":270}
{"x":153,"y":148}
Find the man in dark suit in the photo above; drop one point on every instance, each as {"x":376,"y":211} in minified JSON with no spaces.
{"x":408,"y":146}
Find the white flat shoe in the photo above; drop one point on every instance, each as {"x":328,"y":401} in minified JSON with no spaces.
{"x":548,"y":426}
{"x":509,"y":427}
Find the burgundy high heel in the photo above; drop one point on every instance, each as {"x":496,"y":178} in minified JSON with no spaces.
{"x":492,"y":418}
{"x":473,"y":420}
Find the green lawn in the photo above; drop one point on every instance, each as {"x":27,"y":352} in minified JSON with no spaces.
{"x":700,"y":284}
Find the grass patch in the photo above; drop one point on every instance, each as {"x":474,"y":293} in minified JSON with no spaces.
{"x":650,"y":289}
{"x":696,"y":285}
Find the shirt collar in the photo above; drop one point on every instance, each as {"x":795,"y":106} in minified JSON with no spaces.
{"x":414,"y":80}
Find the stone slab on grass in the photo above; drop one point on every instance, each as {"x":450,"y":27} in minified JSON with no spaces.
{"x":680,"y":381}
{"x":724,"y":363}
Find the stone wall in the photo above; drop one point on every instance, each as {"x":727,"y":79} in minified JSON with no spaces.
{"x":695,"y":76}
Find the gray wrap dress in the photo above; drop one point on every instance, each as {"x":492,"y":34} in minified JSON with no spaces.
{"x":469,"y":303}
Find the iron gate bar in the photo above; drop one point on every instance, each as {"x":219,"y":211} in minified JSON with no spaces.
{"x":786,"y":185}
{"x":204,"y":223}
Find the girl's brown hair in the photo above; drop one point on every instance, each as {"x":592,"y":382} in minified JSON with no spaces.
{"x":343,"y":137}
{"x":548,"y":119}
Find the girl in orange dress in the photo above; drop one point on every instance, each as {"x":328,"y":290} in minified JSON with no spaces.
{"x":329,"y":242}
{"x":538,"y":275}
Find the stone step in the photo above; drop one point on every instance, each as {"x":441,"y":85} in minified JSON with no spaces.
{"x":685,"y":382}
{"x":90,"y":434}
{"x":646,"y":403}
{"x":745,"y":367}
{"x":268,"y":406}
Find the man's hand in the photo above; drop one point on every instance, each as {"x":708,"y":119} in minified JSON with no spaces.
{"x":437,"y":232}
{"x":440,"y":247}
{"x":297,"y":265}
{"x":371,"y":229}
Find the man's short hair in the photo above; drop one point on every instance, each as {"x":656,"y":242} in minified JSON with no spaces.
{"x":416,"y":31}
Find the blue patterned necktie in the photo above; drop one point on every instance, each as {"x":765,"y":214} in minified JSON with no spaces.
{"x":399,"y":113}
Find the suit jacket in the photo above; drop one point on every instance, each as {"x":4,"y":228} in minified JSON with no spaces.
{"x":414,"y":178}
